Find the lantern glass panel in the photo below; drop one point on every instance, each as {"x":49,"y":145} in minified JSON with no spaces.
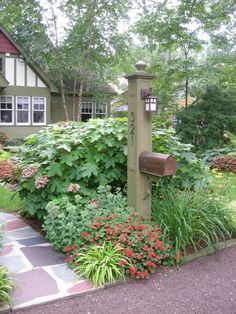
{"x":147,"y":105}
{"x":153,"y":106}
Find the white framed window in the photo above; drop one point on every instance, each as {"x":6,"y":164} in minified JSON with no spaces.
{"x":6,"y":110}
{"x":38,"y":110}
{"x":101,"y":110}
{"x":22,"y":110}
{"x":86,"y":110}
{"x":86,"y":107}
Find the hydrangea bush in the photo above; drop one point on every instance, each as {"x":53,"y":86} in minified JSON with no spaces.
{"x":67,"y":158}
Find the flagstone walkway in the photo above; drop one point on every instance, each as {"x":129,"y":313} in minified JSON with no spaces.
{"x":40,"y":272}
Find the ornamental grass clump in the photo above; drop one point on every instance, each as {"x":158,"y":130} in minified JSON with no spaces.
{"x":102,"y":264}
{"x":6,"y":285}
{"x":141,"y":240}
{"x":192,"y":219}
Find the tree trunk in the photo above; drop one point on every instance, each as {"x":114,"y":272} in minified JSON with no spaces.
{"x":74,"y":94}
{"x":186,"y":92}
{"x":79,"y":101}
{"x":63,"y":97}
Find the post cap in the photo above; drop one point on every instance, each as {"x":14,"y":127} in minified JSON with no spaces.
{"x":140,"y":65}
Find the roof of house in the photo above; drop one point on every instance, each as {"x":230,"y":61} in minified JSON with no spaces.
{"x":35,"y":67}
{"x":121,"y":108}
{"x":103,"y":88}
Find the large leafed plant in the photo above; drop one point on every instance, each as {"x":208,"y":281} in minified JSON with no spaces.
{"x":67,"y":158}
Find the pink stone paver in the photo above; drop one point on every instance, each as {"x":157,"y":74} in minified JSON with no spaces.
{"x":33,"y":284}
{"x":7,"y":249}
{"x":81,"y":287}
{"x":41,"y":274}
{"x":15,"y":224}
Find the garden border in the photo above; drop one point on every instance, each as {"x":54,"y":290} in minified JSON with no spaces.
{"x":210,"y":250}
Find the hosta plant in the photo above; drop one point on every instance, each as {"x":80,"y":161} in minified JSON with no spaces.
{"x":101,"y":263}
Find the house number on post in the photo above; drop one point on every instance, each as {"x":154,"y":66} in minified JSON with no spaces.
{"x":132,"y":127}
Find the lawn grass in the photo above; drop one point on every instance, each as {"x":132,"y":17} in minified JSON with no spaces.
{"x":9,"y":201}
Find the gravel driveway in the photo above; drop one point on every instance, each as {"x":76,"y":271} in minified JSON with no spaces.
{"x":206,"y":285}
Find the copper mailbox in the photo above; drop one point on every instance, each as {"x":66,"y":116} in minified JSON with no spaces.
{"x":157,"y":164}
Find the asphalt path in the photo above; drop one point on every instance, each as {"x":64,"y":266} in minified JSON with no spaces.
{"x":204,"y":286}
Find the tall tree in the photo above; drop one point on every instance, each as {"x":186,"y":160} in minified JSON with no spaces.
{"x":23,"y":19}
{"x":94,"y":42}
{"x":179,"y":30}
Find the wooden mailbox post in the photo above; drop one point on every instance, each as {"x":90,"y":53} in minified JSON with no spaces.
{"x":143,"y":165}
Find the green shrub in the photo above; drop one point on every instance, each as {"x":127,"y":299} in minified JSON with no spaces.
{"x":191,"y":171}
{"x":203,"y":124}
{"x":65,"y":219}
{"x":100,"y":264}
{"x":6,"y":285}
{"x":63,"y":222}
{"x":192,"y":218}
{"x":89,"y":154}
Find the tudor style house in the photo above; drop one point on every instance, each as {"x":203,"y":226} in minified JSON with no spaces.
{"x":29,"y":100}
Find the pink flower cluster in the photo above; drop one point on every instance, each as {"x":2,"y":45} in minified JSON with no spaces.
{"x":74,"y":188}
{"x":29,"y":172}
{"x":41,"y":182}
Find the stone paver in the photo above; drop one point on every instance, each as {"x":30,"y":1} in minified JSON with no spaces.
{"x":64,"y":273}
{"x":40,"y":272}
{"x":7,"y":249}
{"x":15,"y":224}
{"x":33,"y":284}
{"x":14,"y":263}
{"x":42,"y":255}
{"x":32,"y":241}
{"x":22,"y":233}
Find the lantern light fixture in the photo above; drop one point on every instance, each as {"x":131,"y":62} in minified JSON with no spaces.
{"x":150,"y":101}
